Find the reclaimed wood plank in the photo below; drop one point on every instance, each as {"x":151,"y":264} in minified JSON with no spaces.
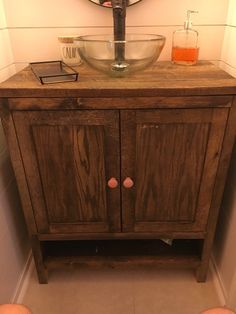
{"x":118,"y":103}
{"x":162,"y":79}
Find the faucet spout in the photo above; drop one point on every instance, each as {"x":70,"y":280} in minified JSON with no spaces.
{"x":119,"y":16}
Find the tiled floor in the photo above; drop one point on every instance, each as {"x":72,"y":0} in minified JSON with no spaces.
{"x":110,"y":291}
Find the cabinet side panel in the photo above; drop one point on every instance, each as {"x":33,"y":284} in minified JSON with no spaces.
{"x":15,"y":155}
{"x":228,"y":144}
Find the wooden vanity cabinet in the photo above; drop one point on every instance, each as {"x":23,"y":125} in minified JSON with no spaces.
{"x":98,"y":165}
{"x":170,"y":155}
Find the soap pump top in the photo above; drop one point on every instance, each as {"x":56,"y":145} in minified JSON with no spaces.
{"x":188,"y":22}
{"x":185,"y":43}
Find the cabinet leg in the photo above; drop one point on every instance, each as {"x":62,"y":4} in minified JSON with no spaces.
{"x":38,"y":258}
{"x":201,"y":272}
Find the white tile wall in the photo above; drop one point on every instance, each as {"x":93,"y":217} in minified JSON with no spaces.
{"x":66,"y":13}
{"x":229,"y":49}
{"x":14,"y":242}
{"x":6,"y":52}
{"x":6,"y":56}
{"x":2,"y":15}
{"x":41,"y":44}
{"x":232,"y":13}
{"x":7,"y":72}
{"x":229,"y":45}
{"x":34,"y":32}
{"x":225,"y":253}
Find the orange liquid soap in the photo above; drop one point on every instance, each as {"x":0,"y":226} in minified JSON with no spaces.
{"x":185,"y":43}
{"x":186,"y":56}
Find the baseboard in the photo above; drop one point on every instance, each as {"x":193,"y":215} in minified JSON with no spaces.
{"x":217,"y":281}
{"x":23,"y":281}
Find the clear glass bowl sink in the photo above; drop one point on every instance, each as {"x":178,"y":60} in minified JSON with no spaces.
{"x":139,"y":50}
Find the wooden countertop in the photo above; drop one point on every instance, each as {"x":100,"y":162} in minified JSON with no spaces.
{"x":162,"y":79}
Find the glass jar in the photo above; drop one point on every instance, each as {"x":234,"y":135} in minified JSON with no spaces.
{"x":69,"y":50}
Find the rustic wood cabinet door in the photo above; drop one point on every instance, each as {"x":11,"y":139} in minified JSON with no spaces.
{"x":69,"y":157}
{"x":171,"y":156}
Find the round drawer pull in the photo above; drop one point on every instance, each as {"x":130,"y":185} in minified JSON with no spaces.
{"x":128,"y":183}
{"x":112,"y":183}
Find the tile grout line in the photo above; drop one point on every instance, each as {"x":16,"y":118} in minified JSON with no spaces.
{"x":7,"y":66}
{"x":231,"y":66}
{"x":26,"y":62}
{"x":110,"y":26}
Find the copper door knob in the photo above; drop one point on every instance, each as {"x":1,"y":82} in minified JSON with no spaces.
{"x":112,"y":183}
{"x":128,"y":183}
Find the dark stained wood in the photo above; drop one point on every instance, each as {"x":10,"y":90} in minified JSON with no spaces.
{"x":38,"y":258}
{"x":164,"y":128}
{"x":168,"y":188}
{"x":63,"y":151}
{"x":162,"y":79}
{"x":68,"y":173}
{"x":217,"y":193}
{"x":122,"y":236}
{"x":172,"y":156}
{"x":133,"y":262}
{"x":182,"y":253}
{"x":16,"y":160}
{"x":118,"y":103}
{"x":128,"y":160}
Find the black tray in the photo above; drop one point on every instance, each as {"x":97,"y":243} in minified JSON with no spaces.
{"x":49,"y":72}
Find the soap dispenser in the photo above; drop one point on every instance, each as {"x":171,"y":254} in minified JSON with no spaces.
{"x":185,"y":43}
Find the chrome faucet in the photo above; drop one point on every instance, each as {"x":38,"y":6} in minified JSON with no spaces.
{"x":119,"y":15}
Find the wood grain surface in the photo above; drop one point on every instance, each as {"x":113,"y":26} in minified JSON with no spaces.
{"x":170,"y":128}
{"x":172,"y":156}
{"x":161,"y":79}
{"x":66,"y":166}
{"x":118,"y":103}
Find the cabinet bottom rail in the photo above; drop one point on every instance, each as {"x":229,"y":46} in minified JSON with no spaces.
{"x":121,"y":235}
{"x":186,"y":262}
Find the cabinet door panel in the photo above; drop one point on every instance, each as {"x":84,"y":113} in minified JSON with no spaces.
{"x":70,"y":156}
{"x":173,"y":187}
{"x":172,"y":156}
{"x":73,"y":157}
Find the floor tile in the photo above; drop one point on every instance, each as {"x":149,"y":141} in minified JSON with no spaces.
{"x":172,"y":291}
{"x":82,"y":291}
{"x":112,"y":291}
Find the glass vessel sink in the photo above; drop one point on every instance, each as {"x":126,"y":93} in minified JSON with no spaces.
{"x":118,"y":58}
